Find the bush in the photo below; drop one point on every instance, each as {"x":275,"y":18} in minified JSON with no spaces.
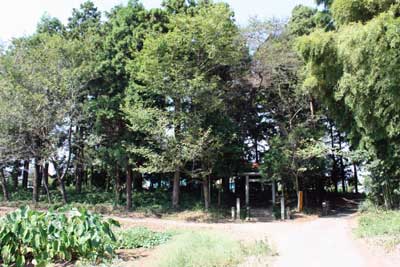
{"x":381,"y":226}
{"x":28,"y":236}
{"x":367,"y":206}
{"x":206,"y":249}
{"x":141,"y":237}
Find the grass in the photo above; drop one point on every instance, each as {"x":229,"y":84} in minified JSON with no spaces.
{"x":381,"y":227}
{"x":207,"y":249}
{"x":141,"y":237}
{"x":194,"y":249}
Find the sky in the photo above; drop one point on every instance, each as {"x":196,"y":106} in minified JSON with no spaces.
{"x":20,"y":17}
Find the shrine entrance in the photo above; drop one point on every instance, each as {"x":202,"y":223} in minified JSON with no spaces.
{"x":254,"y":194}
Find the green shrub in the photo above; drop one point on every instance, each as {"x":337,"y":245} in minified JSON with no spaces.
{"x":205,"y":249}
{"x":141,"y":237}
{"x":41,"y":237}
{"x":367,"y":206}
{"x":382,"y":226}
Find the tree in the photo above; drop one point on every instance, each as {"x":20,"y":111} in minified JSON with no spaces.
{"x":50,"y":25}
{"x":46,"y":73}
{"x":353,"y":71}
{"x":295,"y":156}
{"x":182,"y":69}
{"x":83,"y":21}
{"x":122,"y":38}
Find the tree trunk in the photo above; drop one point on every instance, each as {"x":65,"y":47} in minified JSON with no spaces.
{"x":355,"y":177}
{"x":79,"y":171}
{"x":90,"y":177}
{"x":117,"y":186}
{"x":219,"y":198}
{"x":36,"y":182}
{"x":177,"y":174}
{"x":46,"y":174}
{"x":225,"y":189}
{"x":334,"y":164}
{"x":342,"y":170}
{"x":63,"y":191}
{"x":256,"y":150}
{"x":312,"y":107}
{"x":46,"y":180}
{"x":25,"y":174}
{"x":4,"y":185}
{"x":15,"y":174}
{"x":138,"y":182}
{"x":78,"y":178}
{"x":297,"y":185}
{"x":61,"y":178}
{"x":206,"y":193}
{"x":128,"y":188}
{"x":175,"y":189}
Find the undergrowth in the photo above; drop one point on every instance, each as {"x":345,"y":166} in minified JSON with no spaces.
{"x":380,"y":226}
{"x":207,"y":249}
{"x":149,"y":203}
{"x":141,"y":237}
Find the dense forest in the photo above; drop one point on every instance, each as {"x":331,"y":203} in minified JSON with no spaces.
{"x":180,"y":98}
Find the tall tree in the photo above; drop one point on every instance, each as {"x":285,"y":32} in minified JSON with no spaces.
{"x":182,"y":68}
{"x":46,"y":73}
{"x":353,"y":71}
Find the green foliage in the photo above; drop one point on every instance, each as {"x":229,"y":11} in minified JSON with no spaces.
{"x":41,"y":237}
{"x":178,"y":90}
{"x":206,"y":249}
{"x":354,"y":72}
{"x":150,"y":203}
{"x":277,"y":161}
{"x":347,"y":11}
{"x":177,"y":86}
{"x":367,"y":206}
{"x":141,"y":237}
{"x":326,"y":3}
{"x":302,"y":22}
{"x":382,"y":227}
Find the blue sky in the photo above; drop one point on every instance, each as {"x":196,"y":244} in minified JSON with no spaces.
{"x":19,"y":17}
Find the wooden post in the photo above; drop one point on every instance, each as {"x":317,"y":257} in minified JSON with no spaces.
{"x":238,"y":208}
{"x":247,"y":188}
{"x":273,"y":193}
{"x":301,"y":202}
{"x":355,"y":178}
{"x":282,"y":208}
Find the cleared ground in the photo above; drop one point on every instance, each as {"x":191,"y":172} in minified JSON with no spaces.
{"x":311,"y":241}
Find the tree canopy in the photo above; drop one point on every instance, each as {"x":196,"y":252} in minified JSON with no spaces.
{"x":182,"y":98}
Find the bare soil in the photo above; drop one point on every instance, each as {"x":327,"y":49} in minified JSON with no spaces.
{"x":308,"y":241}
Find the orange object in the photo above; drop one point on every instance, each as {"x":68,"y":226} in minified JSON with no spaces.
{"x":301,"y":201}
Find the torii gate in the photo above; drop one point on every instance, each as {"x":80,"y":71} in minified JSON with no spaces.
{"x":248,"y":179}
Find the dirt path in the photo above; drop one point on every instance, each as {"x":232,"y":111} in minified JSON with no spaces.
{"x":327,"y":242}
{"x":313,"y":242}
{"x":322,"y":242}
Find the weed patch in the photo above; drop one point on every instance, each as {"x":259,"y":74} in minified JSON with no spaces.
{"x":141,"y":237}
{"x":207,"y":249}
{"x":383,"y":227}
